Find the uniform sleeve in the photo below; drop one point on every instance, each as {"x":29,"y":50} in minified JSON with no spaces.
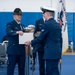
{"x":36,"y":28}
{"x":9,"y":30}
{"x":42,"y":36}
{"x":61,"y":40}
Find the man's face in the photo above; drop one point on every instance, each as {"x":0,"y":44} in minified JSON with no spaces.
{"x":44,"y":15}
{"x":17,"y":17}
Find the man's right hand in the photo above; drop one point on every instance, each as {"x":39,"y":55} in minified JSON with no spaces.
{"x":28,"y":43}
{"x":37,"y":34}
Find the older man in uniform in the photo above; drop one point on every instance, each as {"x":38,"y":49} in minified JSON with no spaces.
{"x":15,"y":51}
{"x":51,"y":33}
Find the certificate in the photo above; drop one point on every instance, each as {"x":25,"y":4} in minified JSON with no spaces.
{"x":25,"y":37}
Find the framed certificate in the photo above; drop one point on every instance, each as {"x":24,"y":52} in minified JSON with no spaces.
{"x":26,"y":37}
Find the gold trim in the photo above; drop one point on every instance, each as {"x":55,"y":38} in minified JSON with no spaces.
{"x":65,"y":51}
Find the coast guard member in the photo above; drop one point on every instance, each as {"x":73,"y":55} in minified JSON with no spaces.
{"x":39,"y":47}
{"x":51,"y":33}
{"x":15,"y":51}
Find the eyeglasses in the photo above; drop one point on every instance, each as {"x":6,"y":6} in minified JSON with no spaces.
{"x":18,"y":14}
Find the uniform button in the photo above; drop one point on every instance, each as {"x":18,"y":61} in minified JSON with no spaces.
{"x":13,"y":44}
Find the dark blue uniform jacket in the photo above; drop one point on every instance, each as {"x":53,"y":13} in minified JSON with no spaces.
{"x":13,"y":45}
{"x":51,"y":33}
{"x":38,"y":27}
